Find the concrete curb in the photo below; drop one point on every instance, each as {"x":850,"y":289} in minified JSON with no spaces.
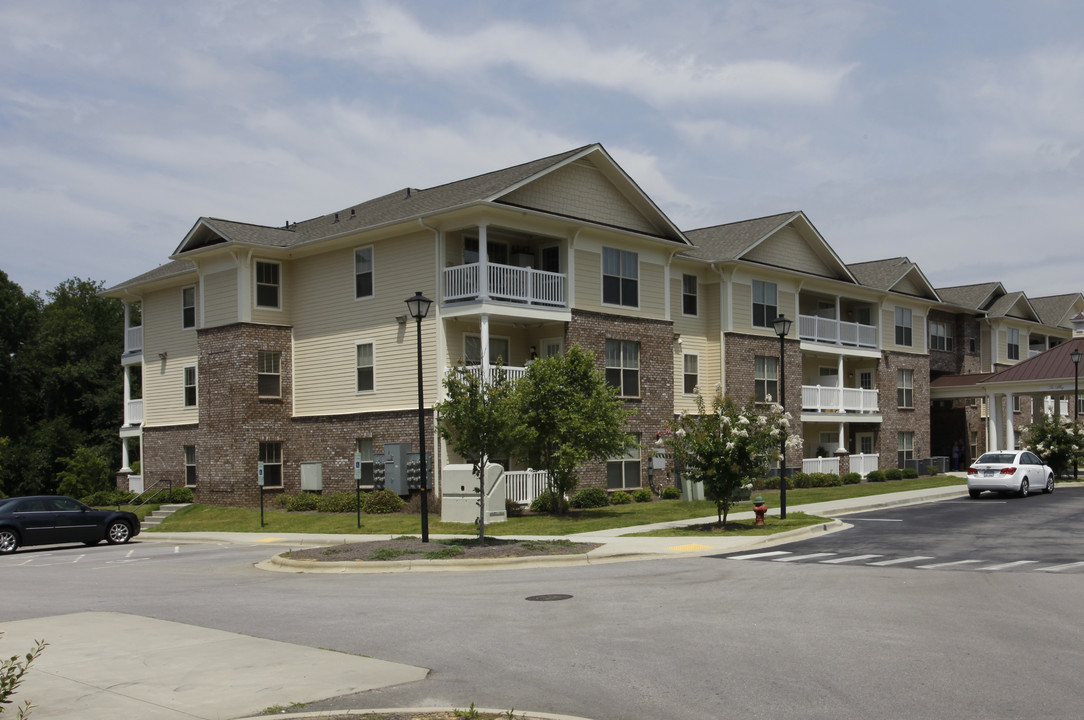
{"x":518,"y":715}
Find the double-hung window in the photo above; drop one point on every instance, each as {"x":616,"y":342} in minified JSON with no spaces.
{"x":188,"y":307}
{"x":941,"y":336}
{"x":766,"y":379}
{"x":472,"y":350}
{"x":688,"y":295}
{"x":363,"y":272}
{"x":691,"y":373}
{"x":365,"y":367}
{"x":364,"y":448}
{"x":765,"y":303}
{"x":903,"y":326}
{"x":905,"y":448}
{"x":620,"y":277}
{"x":1014,"y":344}
{"x":190,"y":465}
{"x":271,"y":457}
{"x":268,"y":284}
{"x":905,"y":388}
{"x":268,"y":373}
{"x":623,"y":471}
{"x":623,"y":367}
{"x":190,"y":386}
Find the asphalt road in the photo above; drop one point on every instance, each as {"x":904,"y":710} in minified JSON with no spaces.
{"x":686,"y":638}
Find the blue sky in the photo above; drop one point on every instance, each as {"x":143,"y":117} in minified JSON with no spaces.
{"x":949,"y":132}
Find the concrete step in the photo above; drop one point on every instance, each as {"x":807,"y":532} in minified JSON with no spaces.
{"x":163,"y":511}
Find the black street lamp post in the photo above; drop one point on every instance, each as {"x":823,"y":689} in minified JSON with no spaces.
{"x":419,"y":308}
{"x":782,"y":329}
{"x":1075,"y":357}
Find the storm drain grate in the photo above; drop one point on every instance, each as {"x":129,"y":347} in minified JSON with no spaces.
{"x":548,"y":598}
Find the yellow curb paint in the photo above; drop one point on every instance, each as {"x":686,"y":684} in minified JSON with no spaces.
{"x":269,"y":539}
{"x":690,"y":548}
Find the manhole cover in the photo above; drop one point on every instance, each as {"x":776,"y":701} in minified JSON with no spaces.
{"x":548,"y":598}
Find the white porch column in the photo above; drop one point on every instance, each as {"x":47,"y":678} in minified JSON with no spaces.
{"x":484,"y":340}
{"x":127,"y":324}
{"x":1010,"y":431}
{"x":483,"y":274}
{"x":127,"y":390}
{"x":840,"y":380}
{"x":993,"y":433}
{"x":842,"y":438}
{"x":124,"y":456}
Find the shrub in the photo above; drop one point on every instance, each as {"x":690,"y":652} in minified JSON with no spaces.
{"x":84,"y":473}
{"x":340,"y":502}
{"x":303,"y":502}
{"x":620,"y":498}
{"x":280,"y":500}
{"x":381,"y":502}
{"x":894,"y":474}
{"x":182,"y":495}
{"x":544,"y":503}
{"x":851,"y":478}
{"x":828,"y":480}
{"x":103,"y":498}
{"x":413,"y":504}
{"x":770,"y":483}
{"x":912,"y":473}
{"x":670,"y":493}
{"x":641,"y":495}
{"x":590,"y":498}
{"x":876,"y":476}
{"x":513,"y":508}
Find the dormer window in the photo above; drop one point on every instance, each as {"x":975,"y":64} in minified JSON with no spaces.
{"x":268,"y":284}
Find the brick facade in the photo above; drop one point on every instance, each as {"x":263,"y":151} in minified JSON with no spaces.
{"x":896,"y":419}
{"x":739,"y":352}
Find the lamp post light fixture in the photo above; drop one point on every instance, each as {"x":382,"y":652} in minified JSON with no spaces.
{"x":1075,"y":357}
{"x":419,"y":308}
{"x":782,"y":329}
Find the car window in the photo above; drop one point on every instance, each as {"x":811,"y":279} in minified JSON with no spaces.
{"x":1034,"y":459}
{"x":36,"y":505}
{"x":998,"y":458}
{"x":66,"y":504}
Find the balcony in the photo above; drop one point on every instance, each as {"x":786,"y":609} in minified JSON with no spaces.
{"x":133,"y":339}
{"x":133,"y":413}
{"x":505,"y":283}
{"x":510,"y":373}
{"x":826,"y":399}
{"x":836,"y":332}
{"x":861,"y":464}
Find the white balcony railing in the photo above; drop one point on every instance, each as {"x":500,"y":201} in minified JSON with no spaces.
{"x":133,"y":412}
{"x":523,"y":486}
{"x":836,"y":332}
{"x":821,"y":398}
{"x":510,"y":373}
{"x":820,"y":465}
{"x":133,"y":339}
{"x":505,"y":282}
{"x":864,"y":464}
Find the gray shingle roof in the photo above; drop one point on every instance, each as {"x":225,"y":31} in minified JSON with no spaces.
{"x":720,"y":243}
{"x":882,"y":274}
{"x":1005,"y":303}
{"x":1053,"y":309}
{"x":170,"y":269}
{"x":976,"y":297}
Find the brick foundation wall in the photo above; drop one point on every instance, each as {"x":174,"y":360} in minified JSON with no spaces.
{"x":896,"y":419}
{"x":738,"y":355}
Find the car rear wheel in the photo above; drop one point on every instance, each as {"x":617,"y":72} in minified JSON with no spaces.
{"x":974,"y":494}
{"x":118,"y":533}
{"x":1049,"y":484}
{"x":9,"y":541}
{"x":1024,"y":487}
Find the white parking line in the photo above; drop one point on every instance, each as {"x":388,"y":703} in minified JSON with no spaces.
{"x":897,"y":561}
{"x":1060,"y":568}
{"x":799,"y":558}
{"x":1004,"y":566}
{"x":760,"y":555}
{"x":949,"y":564}
{"x":853,"y":558}
{"x":854,"y":519}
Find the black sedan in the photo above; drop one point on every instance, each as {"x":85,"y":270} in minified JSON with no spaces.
{"x":52,"y":519}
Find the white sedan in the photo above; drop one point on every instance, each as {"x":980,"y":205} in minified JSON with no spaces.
{"x":1004,"y":471}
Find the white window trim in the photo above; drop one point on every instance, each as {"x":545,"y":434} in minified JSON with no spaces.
{"x":185,"y":386}
{"x":492,"y":357}
{"x":753,"y":303}
{"x":356,"y":367}
{"x":195,"y":308}
{"x":683,"y":373}
{"x":259,"y":372}
{"x":372,"y":271}
{"x":695,"y":295}
{"x":602,"y":279}
{"x":256,"y":285}
{"x":193,"y":464}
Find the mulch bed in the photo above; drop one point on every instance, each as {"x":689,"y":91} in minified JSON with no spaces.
{"x":412,"y":548}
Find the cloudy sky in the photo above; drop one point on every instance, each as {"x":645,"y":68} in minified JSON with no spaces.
{"x":947,"y":131}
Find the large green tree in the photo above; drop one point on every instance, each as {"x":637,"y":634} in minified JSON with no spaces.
{"x":568,"y":414}
{"x":477,"y":421}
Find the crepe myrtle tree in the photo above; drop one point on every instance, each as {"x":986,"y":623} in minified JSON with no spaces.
{"x":1057,"y":440}
{"x":477,"y":421}
{"x":728,"y":447}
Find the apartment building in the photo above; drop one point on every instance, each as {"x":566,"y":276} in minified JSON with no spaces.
{"x":291,"y":346}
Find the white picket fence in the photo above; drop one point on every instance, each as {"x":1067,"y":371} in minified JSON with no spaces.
{"x":523,"y":486}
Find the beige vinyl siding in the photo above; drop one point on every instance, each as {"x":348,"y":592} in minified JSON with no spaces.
{"x":220,"y":298}
{"x":743,"y":306}
{"x":652,"y":290}
{"x":163,"y":380}
{"x":519,"y":342}
{"x":580,"y":190}
{"x":888,"y":327}
{"x":788,"y":249}
{"x":788,"y":305}
{"x":588,"y":280}
{"x":329,"y":322}
{"x":908,"y":286}
{"x":918,"y":332}
{"x":288,"y":295}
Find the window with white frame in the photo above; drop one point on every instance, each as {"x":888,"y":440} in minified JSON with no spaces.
{"x":190,"y":386}
{"x":1016,"y":403}
{"x":190,"y":465}
{"x":268,"y":373}
{"x":765,"y":303}
{"x":623,"y":367}
{"x":766,"y":379}
{"x":941,"y":335}
{"x":623,"y":471}
{"x":271,"y":457}
{"x":188,"y":307}
{"x":268,"y":284}
{"x":905,"y":448}
{"x":905,"y":388}
{"x":688,"y":295}
{"x":903,"y":326}
{"x":365,"y":367}
{"x":691,"y":372}
{"x":472,"y":350}
{"x":1014,"y":344}
{"x":363,"y":272}
{"x":620,"y":277}
{"x":496,"y":252}
{"x":364,"y":448}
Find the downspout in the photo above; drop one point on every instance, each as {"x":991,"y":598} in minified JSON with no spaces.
{"x":439,"y":348}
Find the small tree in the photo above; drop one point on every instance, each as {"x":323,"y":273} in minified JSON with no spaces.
{"x":568,"y":414}
{"x":12,"y":671}
{"x":1057,"y":441}
{"x":477,"y":421}
{"x":728,"y":447}
{"x":85,"y":472}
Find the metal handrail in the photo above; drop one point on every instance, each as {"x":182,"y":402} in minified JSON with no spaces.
{"x":156,"y":493}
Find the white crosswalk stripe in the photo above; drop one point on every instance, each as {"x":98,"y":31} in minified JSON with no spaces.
{"x":954,"y":563}
{"x":1062,"y":568}
{"x":1006,"y":566}
{"x":799,"y":558}
{"x":755,"y":556}
{"x":852,"y":558}
{"x":970,"y":564}
{"x":900,"y":561}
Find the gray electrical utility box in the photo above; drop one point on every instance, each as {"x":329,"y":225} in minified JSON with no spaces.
{"x":459,"y":498}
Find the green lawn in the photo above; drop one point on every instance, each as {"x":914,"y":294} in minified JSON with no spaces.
{"x":208,"y":518}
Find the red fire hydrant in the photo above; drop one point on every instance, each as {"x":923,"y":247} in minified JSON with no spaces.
{"x":759,"y":508}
